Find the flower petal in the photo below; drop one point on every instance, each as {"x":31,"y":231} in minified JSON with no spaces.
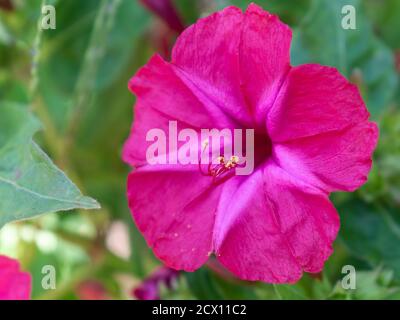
{"x":163,"y":97}
{"x":14,"y":284}
{"x":320,"y":130}
{"x":264,"y":59}
{"x":239,"y":60}
{"x":333,"y":161}
{"x":207,"y":53}
{"x":276,"y":228}
{"x":175,"y":211}
{"x":313,"y":100}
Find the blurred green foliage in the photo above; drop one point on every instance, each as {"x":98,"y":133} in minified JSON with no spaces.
{"x":74,"y":79}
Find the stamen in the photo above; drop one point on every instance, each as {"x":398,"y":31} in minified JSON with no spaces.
{"x":204,"y":145}
{"x":221,"y":167}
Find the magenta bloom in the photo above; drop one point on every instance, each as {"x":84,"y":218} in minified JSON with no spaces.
{"x":166,"y":11}
{"x":150,"y":288}
{"x":312,"y":137}
{"x":14,"y":284}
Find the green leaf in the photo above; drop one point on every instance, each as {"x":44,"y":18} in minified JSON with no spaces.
{"x":202,"y":285}
{"x":206,"y":284}
{"x":370,"y":285}
{"x":289,"y":292}
{"x":358,"y":54}
{"x":372,"y":233}
{"x":30,"y":184}
{"x":92,"y":45}
{"x":386,"y":18}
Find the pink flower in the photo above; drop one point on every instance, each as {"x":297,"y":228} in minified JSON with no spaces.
{"x":150,"y":288}
{"x":166,"y":11}
{"x":312,"y":137}
{"x":14,"y":284}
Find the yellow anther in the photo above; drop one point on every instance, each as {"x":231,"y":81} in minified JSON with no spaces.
{"x":235,"y":159}
{"x":232,"y":162}
{"x":221,"y":160}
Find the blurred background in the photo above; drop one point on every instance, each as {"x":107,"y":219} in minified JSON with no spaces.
{"x":74,"y":79}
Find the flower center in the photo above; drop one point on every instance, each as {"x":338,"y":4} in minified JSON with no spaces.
{"x":262,"y":148}
{"x":222,"y":167}
{"x":219,"y":167}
